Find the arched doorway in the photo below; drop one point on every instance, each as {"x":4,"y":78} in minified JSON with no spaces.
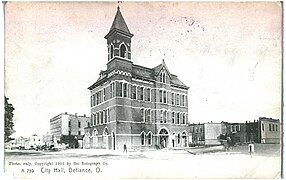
{"x":184,"y":139}
{"x":163,"y":138}
{"x":105,"y":138}
{"x":94,"y":139}
{"x":173,"y":139}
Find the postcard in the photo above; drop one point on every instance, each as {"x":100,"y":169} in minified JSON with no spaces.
{"x":143,"y":90}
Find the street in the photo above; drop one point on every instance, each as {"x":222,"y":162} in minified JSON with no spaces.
{"x":84,"y":163}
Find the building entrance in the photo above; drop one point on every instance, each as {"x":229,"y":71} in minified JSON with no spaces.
{"x":163,"y":138}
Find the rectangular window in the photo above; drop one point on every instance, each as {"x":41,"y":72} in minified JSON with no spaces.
{"x":104,"y":94}
{"x":262,"y":126}
{"x":173,"y":98}
{"x":91,"y":101}
{"x":101,"y":117}
{"x":133,"y":92}
{"x":142,"y":114}
{"x":184,"y":120}
{"x":125,"y":90}
{"x":79,"y":132}
{"x":165,"y":97}
{"x":69,"y":123}
{"x":69,"y":132}
{"x":161,"y":116}
{"x":111,"y":90}
{"x":79,"y":124}
{"x":94,"y":120}
{"x":173,"y":117}
{"x":147,"y":95}
{"x":269,"y":127}
{"x":97,"y":118}
{"x":178,"y":118}
{"x":161,"y":95}
{"x":105,"y":116}
{"x":276,"y":127}
{"x":108,"y":115}
{"x":183,"y":100}
{"x":100,"y":96}
{"x":237,"y":128}
{"x":178,"y":100}
{"x":140,"y":93}
{"x":97,"y":98}
{"x":273,"y":129}
{"x":119,"y":89}
{"x":165,"y":117}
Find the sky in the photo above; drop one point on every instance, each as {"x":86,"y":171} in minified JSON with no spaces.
{"x":229,"y":54}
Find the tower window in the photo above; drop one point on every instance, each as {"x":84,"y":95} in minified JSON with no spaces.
{"x":111,"y":51}
{"x":122,"y":51}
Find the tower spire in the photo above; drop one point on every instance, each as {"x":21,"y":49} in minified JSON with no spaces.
{"x":118,"y":7}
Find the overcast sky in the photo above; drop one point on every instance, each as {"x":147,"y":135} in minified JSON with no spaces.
{"x":229,"y":54}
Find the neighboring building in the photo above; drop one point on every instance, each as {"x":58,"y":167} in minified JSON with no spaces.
{"x":238,"y":131}
{"x":212,"y":133}
{"x":269,"y":130}
{"x":206,"y":133}
{"x":33,"y":141}
{"x":48,"y":139}
{"x":252,"y":131}
{"x":135,"y":105}
{"x":197,"y":132}
{"x":68,"y":124}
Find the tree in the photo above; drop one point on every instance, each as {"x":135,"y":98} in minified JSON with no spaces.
{"x":71,"y":140}
{"x":8,"y":118}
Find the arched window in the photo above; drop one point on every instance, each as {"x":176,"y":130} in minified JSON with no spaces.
{"x":149,"y":138}
{"x":179,"y":138}
{"x":142,"y":138}
{"x":122,"y":51}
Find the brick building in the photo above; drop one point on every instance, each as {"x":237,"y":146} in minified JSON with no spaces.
{"x":68,"y":124}
{"x":238,"y":131}
{"x":269,"y":130}
{"x":206,"y":133}
{"x":134,"y":105}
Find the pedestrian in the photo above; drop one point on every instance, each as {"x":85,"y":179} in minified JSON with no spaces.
{"x":251,"y":148}
{"x":124,"y":148}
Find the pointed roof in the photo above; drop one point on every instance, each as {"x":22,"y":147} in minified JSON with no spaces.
{"x":119,"y":24}
{"x":158,"y":68}
{"x":173,"y":78}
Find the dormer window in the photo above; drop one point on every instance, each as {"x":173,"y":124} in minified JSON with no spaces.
{"x":163,"y":77}
{"x":122,"y":51}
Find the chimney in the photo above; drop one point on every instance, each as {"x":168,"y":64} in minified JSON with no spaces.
{"x":66,"y":112}
{"x":84,"y":115}
{"x":75,"y":114}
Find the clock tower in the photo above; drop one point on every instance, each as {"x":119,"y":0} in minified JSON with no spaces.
{"x":119,"y":39}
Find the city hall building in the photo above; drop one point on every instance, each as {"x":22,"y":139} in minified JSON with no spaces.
{"x":134,"y":105}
